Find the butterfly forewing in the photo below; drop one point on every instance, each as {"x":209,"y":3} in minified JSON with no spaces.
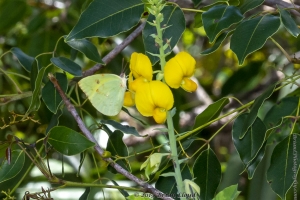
{"x":105,"y":91}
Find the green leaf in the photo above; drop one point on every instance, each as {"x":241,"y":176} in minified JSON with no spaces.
{"x":116,"y":146}
{"x":284,"y":165}
{"x":124,"y":128}
{"x":229,"y":193}
{"x":211,"y":112}
{"x":24,"y":60}
{"x":34,"y":74}
{"x":174,"y":18}
{"x":198,"y":20}
{"x":6,"y":98}
{"x":249,"y":5}
{"x":67,"y":65}
{"x":68,"y":141}
{"x":288,"y":22}
{"x":8,"y":171}
{"x":101,"y":20}
{"x":252,"y":34}
{"x":251,"y":117}
{"x":35,"y":99}
{"x":217,"y":43}
{"x":285,"y":107}
{"x":207,"y":174}
{"x":219,"y":18}
{"x":11,"y":12}
{"x":252,"y":142}
{"x":196,"y":2}
{"x":86,"y":193}
{"x":54,"y":120}
{"x":87,"y":48}
{"x":168,"y":184}
{"x":253,"y":164}
{"x":51,"y":96}
{"x":237,"y":85}
{"x":122,"y":191}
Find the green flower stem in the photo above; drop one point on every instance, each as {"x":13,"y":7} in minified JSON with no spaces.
{"x":174,"y":155}
{"x":160,"y":43}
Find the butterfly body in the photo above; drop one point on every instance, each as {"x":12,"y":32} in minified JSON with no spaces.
{"x":105,"y":91}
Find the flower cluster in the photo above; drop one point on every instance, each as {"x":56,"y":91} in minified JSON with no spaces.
{"x":153,"y":97}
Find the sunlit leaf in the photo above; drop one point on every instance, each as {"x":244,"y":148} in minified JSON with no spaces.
{"x":229,"y":193}
{"x":67,"y":65}
{"x":117,"y":147}
{"x":284,"y":165}
{"x":219,"y":18}
{"x":288,"y":22}
{"x":87,"y":48}
{"x":249,"y":120}
{"x":8,"y":171}
{"x":207,"y":174}
{"x":68,"y":141}
{"x":174,"y":18}
{"x":211,"y":112}
{"x":50,"y":95}
{"x":252,"y":34}
{"x":24,"y":60}
{"x":249,"y":5}
{"x":104,"y":18}
{"x":252,"y":142}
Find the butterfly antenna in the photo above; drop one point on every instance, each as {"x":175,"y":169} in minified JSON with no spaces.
{"x":124,"y":68}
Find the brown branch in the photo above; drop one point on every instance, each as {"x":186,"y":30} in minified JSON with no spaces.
{"x":147,"y":187}
{"x":274,"y":3}
{"x":106,"y":59}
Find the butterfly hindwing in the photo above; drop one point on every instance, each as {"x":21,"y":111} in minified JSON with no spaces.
{"x":105,"y":91}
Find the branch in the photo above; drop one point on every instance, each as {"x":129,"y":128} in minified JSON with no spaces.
{"x":99,"y":150}
{"x":106,"y":59}
{"x":274,"y":3}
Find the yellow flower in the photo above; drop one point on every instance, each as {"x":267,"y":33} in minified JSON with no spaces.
{"x":178,"y":71}
{"x":154,"y":99}
{"x":141,"y":70}
{"x":140,"y":66}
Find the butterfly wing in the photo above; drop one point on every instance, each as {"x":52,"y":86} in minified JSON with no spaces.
{"x":105,"y":91}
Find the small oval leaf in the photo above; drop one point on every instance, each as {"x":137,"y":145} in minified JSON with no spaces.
{"x":25,"y":60}
{"x":288,"y":22}
{"x":8,"y":171}
{"x":68,"y":141}
{"x":67,"y":65}
{"x":87,"y":48}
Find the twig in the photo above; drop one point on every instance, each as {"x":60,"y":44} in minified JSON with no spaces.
{"x":106,"y":59}
{"x":274,"y":3}
{"x":147,"y":187}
